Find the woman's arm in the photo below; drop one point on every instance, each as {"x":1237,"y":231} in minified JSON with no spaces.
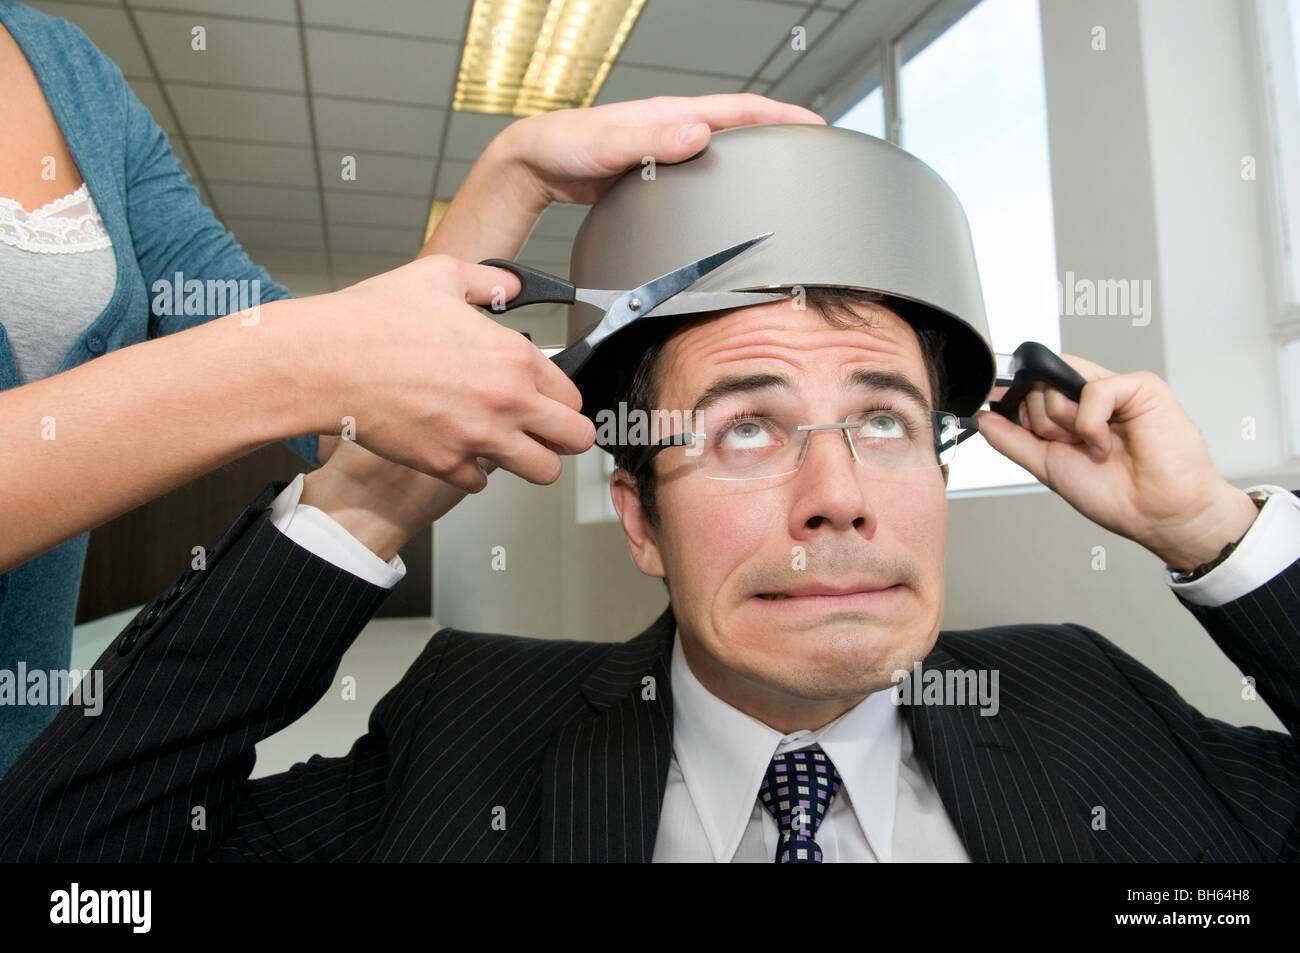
{"x":421,"y":376}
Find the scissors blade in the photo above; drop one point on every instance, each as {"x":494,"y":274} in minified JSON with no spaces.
{"x":687,"y":302}
{"x":651,"y":295}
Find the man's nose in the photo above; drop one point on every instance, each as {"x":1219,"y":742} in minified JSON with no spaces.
{"x":830,"y":488}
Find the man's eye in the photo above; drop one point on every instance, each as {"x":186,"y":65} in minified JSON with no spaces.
{"x":746,"y":435}
{"x":883,"y":424}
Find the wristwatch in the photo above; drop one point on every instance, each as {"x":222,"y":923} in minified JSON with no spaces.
{"x":1260,"y":497}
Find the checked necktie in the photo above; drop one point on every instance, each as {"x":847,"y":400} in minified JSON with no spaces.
{"x":797,"y":791}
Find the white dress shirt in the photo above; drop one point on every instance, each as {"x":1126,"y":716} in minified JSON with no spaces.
{"x":888,"y":808}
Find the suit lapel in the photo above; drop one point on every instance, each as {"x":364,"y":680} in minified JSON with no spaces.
{"x":994,"y":781}
{"x":603,"y":778}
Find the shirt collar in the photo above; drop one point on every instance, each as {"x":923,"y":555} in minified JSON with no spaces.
{"x":723,"y":754}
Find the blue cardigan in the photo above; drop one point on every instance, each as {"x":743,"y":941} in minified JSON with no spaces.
{"x":158,"y":226}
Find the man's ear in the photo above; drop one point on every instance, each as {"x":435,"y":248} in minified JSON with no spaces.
{"x":641,"y":540}
{"x":944,"y":468}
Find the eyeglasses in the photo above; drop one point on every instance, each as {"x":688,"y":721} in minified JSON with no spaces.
{"x":889,"y":443}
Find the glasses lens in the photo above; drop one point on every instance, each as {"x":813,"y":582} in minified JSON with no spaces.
{"x":747,"y":448}
{"x":889,"y":443}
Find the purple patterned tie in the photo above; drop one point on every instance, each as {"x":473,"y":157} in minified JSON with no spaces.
{"x":797,"y":791}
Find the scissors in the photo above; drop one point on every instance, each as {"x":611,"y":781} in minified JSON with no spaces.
{"x":664,"y":295}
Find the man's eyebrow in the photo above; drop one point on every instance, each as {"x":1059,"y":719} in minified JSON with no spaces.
{"x":739,"y":384}
{"x":888,"y":380}
{"x":862,"y":377}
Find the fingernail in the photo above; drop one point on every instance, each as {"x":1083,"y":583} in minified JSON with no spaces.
{"x":687,"y":133}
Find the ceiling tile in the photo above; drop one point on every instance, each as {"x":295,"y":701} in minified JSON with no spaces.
{"x":351,"y":267}
{"x":637,"y":82}
{"x":393,"y":211}
{"x":371,"y":127}
{"x":277,"y":260}
{"x":275,"y":233}
{"x":183,"y":154}
{"x":260,"y":201}
{"x":370,"y":238}
{"x":261,"y":9}
{"x":814,"y":25}
{"x":109,"y":28}
{"x":304,"y":284}
{"x":267,"y":165}
{"x":445,"y":19}
{"x":238,"y":53}
{"x":149,"y":93}
{"x":242,"y":114}
{"x":378,"y":173}
{"x":470,"y":133}
{"x":381,"y":67}
{"x":451,"y":175}
{"x":721,"y":36}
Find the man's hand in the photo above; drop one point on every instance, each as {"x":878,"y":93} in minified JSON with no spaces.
{"x":1127,"y":457}
{"x":380,"y":503}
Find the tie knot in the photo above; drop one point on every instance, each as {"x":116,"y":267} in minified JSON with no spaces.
{"x":797,"y":791}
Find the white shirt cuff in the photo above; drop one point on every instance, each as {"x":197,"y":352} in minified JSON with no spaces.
{"x":315,"y":531}
{"x":1270,"y":545}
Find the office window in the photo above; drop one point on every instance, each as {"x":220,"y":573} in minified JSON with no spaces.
{"x":1279,"y":22}
{"x":973,"y":107}
{"x":867,"y":116}
{"x":1279,"y":46}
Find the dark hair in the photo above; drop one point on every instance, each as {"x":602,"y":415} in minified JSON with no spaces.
{"x":835,"y":306}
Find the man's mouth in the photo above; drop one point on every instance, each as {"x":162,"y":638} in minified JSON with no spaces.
{"x":865,"y":589}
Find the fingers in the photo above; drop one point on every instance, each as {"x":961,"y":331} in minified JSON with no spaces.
{"x":1050,"y":414}
{"x":480,"y":284}
{"x":554,"y":384}
{"x":561,"y":427}
{"x":1016,"y":443}
{"x":1053,"y":416}
{"x":468,"y":477}
{"x":728,"y":110}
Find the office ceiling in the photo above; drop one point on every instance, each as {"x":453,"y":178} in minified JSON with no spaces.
{"x":262,"y":118}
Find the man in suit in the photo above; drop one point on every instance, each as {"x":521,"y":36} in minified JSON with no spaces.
{"x":495,"y":747}
{"x":797,"y":518}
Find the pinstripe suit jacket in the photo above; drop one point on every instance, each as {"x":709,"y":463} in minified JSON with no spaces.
{"x":496,"y":747}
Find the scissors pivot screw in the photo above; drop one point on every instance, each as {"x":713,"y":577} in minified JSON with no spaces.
{"x":634,"y":304}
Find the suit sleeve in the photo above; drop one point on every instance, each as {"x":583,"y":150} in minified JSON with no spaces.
{"x":1255,"y":771}
{"x":232,"y":653}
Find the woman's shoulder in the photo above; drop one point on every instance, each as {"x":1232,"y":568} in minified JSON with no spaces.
{"x":62,"y":54}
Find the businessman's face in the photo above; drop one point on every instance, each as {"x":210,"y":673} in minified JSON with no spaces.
{"x":726,"y":547}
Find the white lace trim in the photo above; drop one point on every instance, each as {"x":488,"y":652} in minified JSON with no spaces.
{"x":65,"y":226}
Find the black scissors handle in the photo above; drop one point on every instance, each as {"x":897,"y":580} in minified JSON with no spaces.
{"x":535,"y":286}
{"x":1030,"y":363}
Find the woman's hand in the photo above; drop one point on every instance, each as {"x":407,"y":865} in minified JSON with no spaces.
{"x":410,"y":370}
{"x":575,"y":155}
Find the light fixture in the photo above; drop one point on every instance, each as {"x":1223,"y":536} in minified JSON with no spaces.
{"x":524,"y":57}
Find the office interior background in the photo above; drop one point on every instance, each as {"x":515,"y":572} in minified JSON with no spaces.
{"x":1150,"y":142}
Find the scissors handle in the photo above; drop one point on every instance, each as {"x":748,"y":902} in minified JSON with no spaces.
{"x":535,"y":286}
{"x":1033,"y":362}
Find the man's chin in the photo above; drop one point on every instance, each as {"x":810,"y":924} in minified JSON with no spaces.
{"x":837,"y":658}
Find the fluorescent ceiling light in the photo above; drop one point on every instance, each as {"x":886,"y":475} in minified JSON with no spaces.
{"x":436,"y":213}
{"x":524,"y":57}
